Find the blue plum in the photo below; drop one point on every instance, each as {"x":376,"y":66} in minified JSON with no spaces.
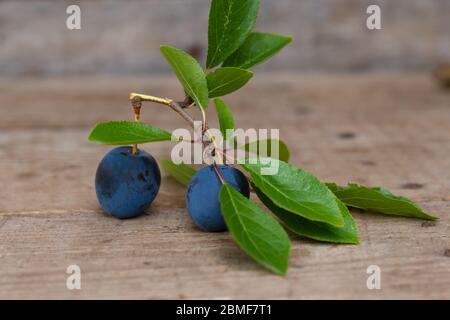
{"x":202,"y":196}
{"x":127,"y":184}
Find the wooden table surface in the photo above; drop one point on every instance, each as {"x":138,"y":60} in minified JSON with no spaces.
{"x":390,"y":130}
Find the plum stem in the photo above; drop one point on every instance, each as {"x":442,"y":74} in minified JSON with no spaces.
{"x":137,"y":104}
{"x":219,"y":174}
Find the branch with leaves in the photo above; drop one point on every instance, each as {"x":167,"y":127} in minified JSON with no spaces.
{"x":297,"y":200}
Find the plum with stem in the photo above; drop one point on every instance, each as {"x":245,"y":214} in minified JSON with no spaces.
{"x":202,"y":197}
{"x":127,"y":183}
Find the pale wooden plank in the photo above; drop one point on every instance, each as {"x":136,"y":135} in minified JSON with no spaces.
{"x":380,"y":130}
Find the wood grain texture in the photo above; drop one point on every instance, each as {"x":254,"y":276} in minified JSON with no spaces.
{"x":389,"y":130}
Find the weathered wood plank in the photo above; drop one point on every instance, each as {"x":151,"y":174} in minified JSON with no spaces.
{"x":380,"y":130}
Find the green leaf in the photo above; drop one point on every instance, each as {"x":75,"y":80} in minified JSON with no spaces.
{"x":263,"y":148}
{"x":189,"y":73}
{"x":227,"y":80}
{"x":127,"y":132}
{"x":230,"y":22}
{"x":296,"y":191}
{"x":225,"y":116}
{"x":315,"y":230}
{"x":378,"y":200}
{"x":256,"y":232}
{"x":183,"y":173}
{"x":257,"y":48}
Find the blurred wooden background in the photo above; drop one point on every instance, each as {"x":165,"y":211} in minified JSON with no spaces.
{"x":123,"y":37}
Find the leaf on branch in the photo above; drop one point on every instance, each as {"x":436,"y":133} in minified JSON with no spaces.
{"x":378,"y":200}
{"x":296,"y":191}
{"x":227,"y":80}
{"x":189,"y":73}
{"x":183,"y":173}
{"x":225,"y":117}
{"x":314,"y":230}
{"x":257,"y":48}
{"x":263,"y":148}
{"x":230,"y":22}
{"x":256,"y":232}
{"x":127,"y":132}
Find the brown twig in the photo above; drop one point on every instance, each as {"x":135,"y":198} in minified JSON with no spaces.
{"x":219,"y":174}
{"x":167,"y":102}
{"x":137,"y":104}
{"x":187,"y":102}
{"x":178,"y":108}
